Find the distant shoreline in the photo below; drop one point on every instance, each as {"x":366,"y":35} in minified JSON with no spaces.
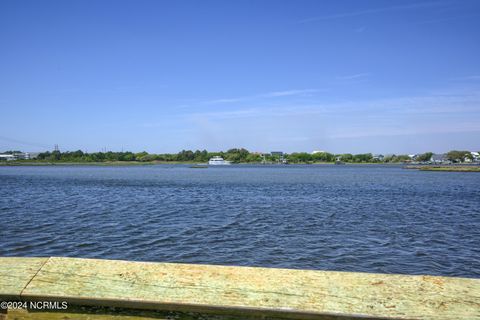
{"x":37,"y":163}
{"x":105,"y":163}
{"x":147,"y":163}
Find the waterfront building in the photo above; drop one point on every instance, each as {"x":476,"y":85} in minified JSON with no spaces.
{"x":476,"y":156}
{"x":439,"y":159}
{"x":15,"y":156}
{"x":22,"y":156}
{"x":7,"y":157}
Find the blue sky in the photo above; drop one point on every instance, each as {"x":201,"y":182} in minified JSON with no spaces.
{"x":162,"y":76}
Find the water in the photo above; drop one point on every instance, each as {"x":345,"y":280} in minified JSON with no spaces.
{"x":353,"y":218}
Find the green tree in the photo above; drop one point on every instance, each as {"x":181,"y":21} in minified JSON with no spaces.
{"x":458,"y":156}
{"x":185,"y":155}
{"x":427,"y":156}
{"x":323,"y":157}
{"x":237,"y":155}
{"x":146,"y":157}
{"x":55,"y":155}
{"x":346,"y":157}
{"x":363,"y":157}
{"x":253,"y":157}
{"x":141,"y":154}
{"x":299,"y":157}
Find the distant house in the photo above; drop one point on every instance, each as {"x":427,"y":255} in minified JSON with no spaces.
{"x":476,"y":156}
{"x":378,"y":157}
{"x":15,"y":156}
{"x":22,"y":156}
{"x":440,"y":158}
{"x":7,"y":157}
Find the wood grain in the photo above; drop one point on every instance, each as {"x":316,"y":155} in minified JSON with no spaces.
{"x":15,"y":274}
{"x":257,"y":292}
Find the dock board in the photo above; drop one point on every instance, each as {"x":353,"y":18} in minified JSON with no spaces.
{"x":284,"y":293}
{"x":16,"y":273}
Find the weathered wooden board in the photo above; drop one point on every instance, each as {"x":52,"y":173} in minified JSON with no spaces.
{"x":257,"y":291}
{"x":16,"y":273}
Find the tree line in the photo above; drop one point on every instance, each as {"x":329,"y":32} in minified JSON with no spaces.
{"x":234,"y":155}
{"x":238,"y":155}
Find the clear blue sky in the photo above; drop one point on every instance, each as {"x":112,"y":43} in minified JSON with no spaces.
{"x":161,"y":76}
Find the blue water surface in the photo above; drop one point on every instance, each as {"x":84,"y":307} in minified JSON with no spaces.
{"x":352,"y":218}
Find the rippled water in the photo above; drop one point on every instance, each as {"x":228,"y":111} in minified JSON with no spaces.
{"x":354,"y":218}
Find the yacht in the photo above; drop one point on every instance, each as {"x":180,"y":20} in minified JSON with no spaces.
{"x":218,"y":161}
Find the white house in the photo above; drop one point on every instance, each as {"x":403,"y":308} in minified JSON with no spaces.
{"x":7,"y":157}
{"x":23,"y":156}
{"x":476,"y":156}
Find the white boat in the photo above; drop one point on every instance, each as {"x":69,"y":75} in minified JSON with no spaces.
{"x":218,"y":161}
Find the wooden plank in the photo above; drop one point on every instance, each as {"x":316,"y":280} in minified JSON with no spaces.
{"x":256,"y":291}
{"x":16,"y":273}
